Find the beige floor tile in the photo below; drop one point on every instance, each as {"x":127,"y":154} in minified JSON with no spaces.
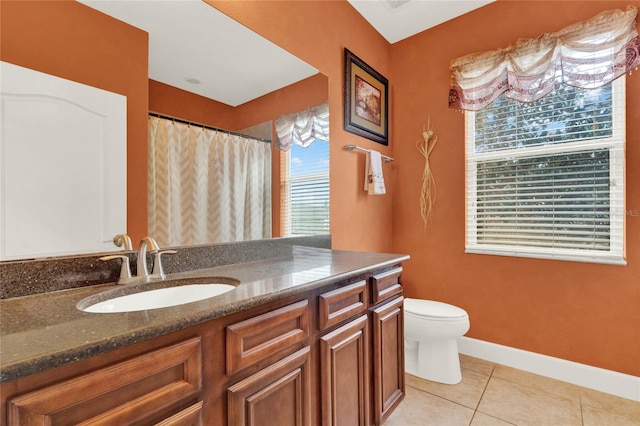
{"x":423,"y":409}
{"x":507,"y":396}
{"x":556,"y":387}
{"x":476,"y":364}
{"x":592,"y":416}
{"x":525,"y":405}
{"x":481,"y":419}
{"x":611,"y":403}
{"x":468,"y":392}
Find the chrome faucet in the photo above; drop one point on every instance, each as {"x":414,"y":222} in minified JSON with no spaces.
{"x":143,"y":275}
{"x":153,"y":247}
{"x":150,"y":244}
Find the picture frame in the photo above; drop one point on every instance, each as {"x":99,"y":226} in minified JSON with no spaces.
{"x":366,"y":111}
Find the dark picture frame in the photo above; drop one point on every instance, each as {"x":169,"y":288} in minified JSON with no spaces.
{"x":366,"y":111}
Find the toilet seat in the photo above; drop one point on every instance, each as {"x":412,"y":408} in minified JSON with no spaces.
{"x":430,"y":309}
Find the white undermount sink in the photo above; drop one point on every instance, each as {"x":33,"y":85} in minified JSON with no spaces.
{"x":156,"y":298}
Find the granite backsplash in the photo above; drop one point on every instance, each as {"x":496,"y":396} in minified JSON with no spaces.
{"x":26,"y":277}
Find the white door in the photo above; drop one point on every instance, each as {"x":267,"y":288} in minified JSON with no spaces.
{"x":62,"y":165}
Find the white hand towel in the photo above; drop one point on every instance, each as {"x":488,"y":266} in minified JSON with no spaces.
{"x":373,"y":179}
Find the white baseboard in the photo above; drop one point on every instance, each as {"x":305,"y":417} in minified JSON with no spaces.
{"x":612,"y":382}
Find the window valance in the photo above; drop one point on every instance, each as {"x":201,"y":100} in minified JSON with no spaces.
{"x":588,"y":54}
{"x":303,"y":127}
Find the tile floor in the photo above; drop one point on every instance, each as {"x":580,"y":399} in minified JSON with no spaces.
{"x":495,"y":395}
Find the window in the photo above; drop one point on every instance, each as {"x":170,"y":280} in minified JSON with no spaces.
{"x":306,"y":190}
{"x":546,"y":179}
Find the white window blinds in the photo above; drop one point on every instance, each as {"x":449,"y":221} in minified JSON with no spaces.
{"x":306,"y":190}
{"x":546,"y":178}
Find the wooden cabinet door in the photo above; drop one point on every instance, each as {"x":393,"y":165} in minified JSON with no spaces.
{"x":344,"y":370}
{"x":279,"y":395}
{"x":388,"y":358}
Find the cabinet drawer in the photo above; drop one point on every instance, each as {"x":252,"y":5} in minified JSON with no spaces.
{"x":342,"y":303}
{"x":386,"y":285}
{"x":255,"y":339}
{"x":144,"y":389}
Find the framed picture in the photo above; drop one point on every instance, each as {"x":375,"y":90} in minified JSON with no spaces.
{"x":365,"y":100}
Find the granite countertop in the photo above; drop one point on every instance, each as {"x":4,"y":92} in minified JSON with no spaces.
{"x":43,"y":331}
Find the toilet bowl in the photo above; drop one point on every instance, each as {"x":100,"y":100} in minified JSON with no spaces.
{"x":431,"y":330}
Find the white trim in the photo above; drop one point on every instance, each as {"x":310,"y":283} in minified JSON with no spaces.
{"x":612,"y":382}
{"x":517,"y":251}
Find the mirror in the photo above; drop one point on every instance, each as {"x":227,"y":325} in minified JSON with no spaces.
{"x":234,"y":94}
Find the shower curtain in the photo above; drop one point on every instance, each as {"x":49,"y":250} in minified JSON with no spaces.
{"x":206,"y":186}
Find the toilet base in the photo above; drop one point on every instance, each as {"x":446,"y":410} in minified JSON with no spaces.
{"x":435,"y":360}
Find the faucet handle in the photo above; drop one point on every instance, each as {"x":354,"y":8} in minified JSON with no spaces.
{"x":125,"y":270}
{"x":157,"y":263}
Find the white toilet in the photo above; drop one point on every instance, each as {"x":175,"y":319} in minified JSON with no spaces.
{"x":431,"y":330}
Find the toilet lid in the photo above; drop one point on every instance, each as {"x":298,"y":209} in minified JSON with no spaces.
{"x":433,"y":309}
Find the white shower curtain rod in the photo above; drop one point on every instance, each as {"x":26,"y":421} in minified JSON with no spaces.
{"x":204,"y":126}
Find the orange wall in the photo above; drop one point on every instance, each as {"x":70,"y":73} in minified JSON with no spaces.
{"x":317,"y":32}
{"x":72,"y":41}
{"x":577,"y":311}
{"x":174,"y":102}
{"x":296,"y":97}
{"x":582,"y":312}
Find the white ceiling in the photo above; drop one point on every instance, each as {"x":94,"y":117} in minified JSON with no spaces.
{"x":190,"y":40}
{"x":399,"y":19}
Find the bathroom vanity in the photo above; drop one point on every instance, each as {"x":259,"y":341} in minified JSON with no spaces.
{"x":307,"y":339}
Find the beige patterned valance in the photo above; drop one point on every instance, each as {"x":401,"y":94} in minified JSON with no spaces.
{"x":588,"y":54}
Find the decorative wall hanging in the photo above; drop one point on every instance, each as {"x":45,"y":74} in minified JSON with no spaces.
{"x":428,"y":191}
{"x":365,"y":100}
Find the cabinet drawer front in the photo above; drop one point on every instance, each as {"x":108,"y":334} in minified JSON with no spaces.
{"x":386,"y":285}
{"x":254,"y":339}
{"x":144,"y":389}
{"x":340,"y":304}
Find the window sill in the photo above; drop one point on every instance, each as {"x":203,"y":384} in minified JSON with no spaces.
{"x":568,"y":257}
